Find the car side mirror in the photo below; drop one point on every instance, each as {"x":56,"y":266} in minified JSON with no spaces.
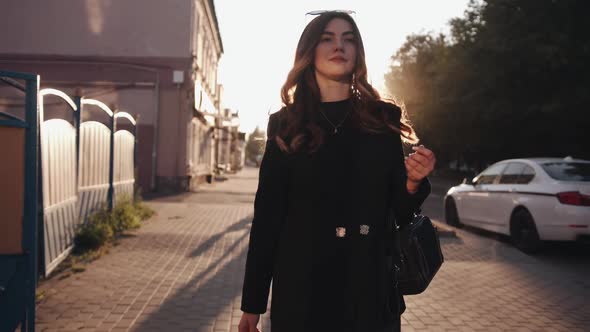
{"x":468,"y":181}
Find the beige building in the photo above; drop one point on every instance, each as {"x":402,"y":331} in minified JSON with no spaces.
{"x":230,"y":142}
{"x":157,"y":59}
{"x":238,"y":151}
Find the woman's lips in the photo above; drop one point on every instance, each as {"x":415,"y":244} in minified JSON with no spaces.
{"x":338,"y":59}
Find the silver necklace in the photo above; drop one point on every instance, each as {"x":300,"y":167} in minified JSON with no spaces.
{"x":339,"y":124}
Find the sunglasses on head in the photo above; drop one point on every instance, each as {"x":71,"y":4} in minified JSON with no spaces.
{"x":309,"y":15}
{"x":320,"y":12}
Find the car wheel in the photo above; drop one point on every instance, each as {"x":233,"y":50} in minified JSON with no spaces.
{"x":451,"y":215}
{"x":523,"y":232}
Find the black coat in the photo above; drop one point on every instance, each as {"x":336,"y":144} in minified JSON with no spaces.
{"x":321,"y":281}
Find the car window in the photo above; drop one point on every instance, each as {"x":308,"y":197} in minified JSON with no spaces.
{"x":489,"y":175}
{"x":528,"y":173}
{"x":512,"y":172}
{"x":568,"y":171}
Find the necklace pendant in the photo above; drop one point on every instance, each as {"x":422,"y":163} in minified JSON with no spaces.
{"x":335,"y":130}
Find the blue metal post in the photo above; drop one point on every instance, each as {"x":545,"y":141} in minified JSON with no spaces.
{"x":111,"y":191}
{"x":78,"y":121}
{"x":18,"y":301}
{"x":31,"y":192}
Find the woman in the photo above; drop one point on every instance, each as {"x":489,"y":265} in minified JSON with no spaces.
{"x":332,"y":171}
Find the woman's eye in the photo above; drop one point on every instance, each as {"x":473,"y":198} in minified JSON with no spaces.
{"x":326,"y":39}
{"x":349,"y":40}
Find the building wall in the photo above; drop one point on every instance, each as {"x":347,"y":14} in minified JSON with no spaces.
{"x":129,"y":28}
{"x":199,"y":153}
{"x":136,"y":91}
{"x":124,"y":53}
{"x":207,"y":50}
{"x":238,"y":151}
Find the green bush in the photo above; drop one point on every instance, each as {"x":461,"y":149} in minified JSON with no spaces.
{"x":94,"y":233}
{"x":143,"y":211}
{"x":103,"y":224}
{"x":125,"y":216}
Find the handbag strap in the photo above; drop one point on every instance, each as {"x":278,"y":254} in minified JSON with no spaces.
{"x":394,"y":240}
{"x":396,"y":237}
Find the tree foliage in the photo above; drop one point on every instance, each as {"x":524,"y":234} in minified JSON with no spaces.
{"x":511,"y":80}
{"x":255,"y":145}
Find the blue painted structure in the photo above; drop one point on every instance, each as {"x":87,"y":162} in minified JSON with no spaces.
{"x":18,"y":271}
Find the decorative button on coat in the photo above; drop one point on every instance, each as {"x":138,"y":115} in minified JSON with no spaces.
{"x":364,"y":229}
{"x":340,"y":231}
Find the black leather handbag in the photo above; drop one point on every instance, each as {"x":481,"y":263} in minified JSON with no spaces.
{"x":420,"y":255}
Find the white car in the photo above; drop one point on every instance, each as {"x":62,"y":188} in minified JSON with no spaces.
{"x":532,"y":200}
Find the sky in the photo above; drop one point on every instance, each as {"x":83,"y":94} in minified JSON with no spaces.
{"x":260,"y":37}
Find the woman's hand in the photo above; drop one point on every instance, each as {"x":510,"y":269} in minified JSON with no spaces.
{"x":248,"y":323}
{"x":418,"y":166}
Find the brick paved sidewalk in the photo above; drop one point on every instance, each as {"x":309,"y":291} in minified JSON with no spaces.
{"x":183,"y":271}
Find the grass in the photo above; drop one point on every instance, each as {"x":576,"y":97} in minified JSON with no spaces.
{"x":104,"y":226}
{"x":39,"y":296}
{"x":101,"y":232}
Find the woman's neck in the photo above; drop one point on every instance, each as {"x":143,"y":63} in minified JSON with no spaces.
{"x":331,"y":90}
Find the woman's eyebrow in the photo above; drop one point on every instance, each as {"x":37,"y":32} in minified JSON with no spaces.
{"x":333,"y":33}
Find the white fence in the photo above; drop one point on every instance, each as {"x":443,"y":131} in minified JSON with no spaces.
{"x":60,"y":209}
{"x":94,"y":166}
{"x":124,"y":177}
{"x":75,"y":175}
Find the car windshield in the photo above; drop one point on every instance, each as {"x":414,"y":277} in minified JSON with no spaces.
{"x":568,"y":171}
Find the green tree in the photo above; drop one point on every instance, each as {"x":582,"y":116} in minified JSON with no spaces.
{"x":511,"y":80}
{"x":255,"y":146}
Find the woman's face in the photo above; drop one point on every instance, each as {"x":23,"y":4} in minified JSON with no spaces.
{"x":335,"y":55}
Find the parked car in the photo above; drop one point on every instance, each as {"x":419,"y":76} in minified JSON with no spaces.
{"x":531,"y":200}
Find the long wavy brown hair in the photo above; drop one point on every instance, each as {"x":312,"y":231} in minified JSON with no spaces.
{"x":301,"y":95}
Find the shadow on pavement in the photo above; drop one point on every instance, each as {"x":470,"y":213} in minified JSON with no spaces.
{"x":205,"y":246}
{"x":497,"y":280}
{"x":490,"y":235}
{"x":551,"y":249}
{"x":166,"y":196}
{"x":195,"y":306}
{"x":229,"y":193}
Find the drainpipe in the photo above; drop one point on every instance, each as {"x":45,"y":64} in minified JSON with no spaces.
{"x":156,"y":135}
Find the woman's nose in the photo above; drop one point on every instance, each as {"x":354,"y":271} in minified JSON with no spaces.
{"x":339,"y":45}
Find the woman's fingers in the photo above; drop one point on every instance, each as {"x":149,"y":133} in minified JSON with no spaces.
{"x":248,"y":327}
{"x":424,"y":151}
{"x":424,"y":156}
{"x":248,"y":323}
{"x":420,"y":159}
{"x":416,"y":174}
{"x":420,"y":163}
{"x":419,"y":166}
{"x":413,"y":164}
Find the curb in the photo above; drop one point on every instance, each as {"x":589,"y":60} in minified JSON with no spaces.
{"x":443,"y":229}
